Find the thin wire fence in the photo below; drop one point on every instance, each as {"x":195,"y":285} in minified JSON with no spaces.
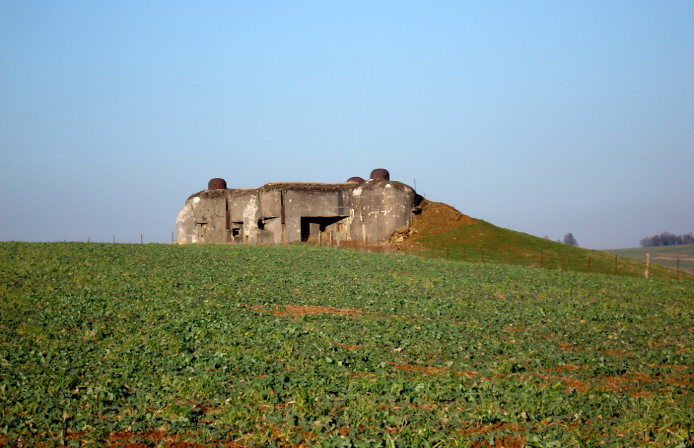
{"x":603,"y":263}
{"x":593,"y":263}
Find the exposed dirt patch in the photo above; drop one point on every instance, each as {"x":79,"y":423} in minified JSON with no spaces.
{"x":292,"y":311}
{"x":500,"y":442}
{"x":569,"y":383}
{"x":437,"y":217}
{"x":565,"y":368}
{"x":469,"y":374}
{"x":572,"y":384}
{"x":256,"y":308}
{"x":626,"y":384}
{"x":631,"y":382}
{"x":669,"y":366}
{"x":433,"y":218}
{"x":362,"y":375}
{"x":425,"y":406}
{"x":615,"y":353}
{"x":508,"y":441}
{"x":639,"y":394}
{"x":422,"y":369}
{"x":632,"y":385}
{"x":514,"y":329}
{"x":280,"y":437}
{"x":567,"y":347}
{"x":308,"y":310}
{"x":126,"y":439}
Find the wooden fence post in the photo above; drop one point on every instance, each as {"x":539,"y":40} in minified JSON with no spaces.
{"x":648,"y":264}
{"x":678,"y":268}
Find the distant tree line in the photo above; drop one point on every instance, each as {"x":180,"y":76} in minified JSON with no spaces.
{"x":667,"y":239}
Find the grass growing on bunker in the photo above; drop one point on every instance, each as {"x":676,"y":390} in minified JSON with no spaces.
{"x":300,"y":346}
{"x":441,"y":231}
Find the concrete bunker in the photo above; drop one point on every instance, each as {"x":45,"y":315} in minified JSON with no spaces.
{"x":286,"y":212}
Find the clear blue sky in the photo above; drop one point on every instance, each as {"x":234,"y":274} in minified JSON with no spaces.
{"x":546,"y":117}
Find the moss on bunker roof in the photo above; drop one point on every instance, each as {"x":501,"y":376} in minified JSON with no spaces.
{"x":317,"y":186}
{"x":209,"y":194}
{"x":309,"y":186}
{"x":302,"y":186}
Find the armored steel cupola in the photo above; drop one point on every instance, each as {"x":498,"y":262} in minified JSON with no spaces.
{"x":380,"y":173}
{"x":217,"y":183}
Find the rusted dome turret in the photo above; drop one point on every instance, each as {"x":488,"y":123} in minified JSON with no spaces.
{"x":217,"y":184}
{"x":356,"y":180}
{"x":380,"y":173}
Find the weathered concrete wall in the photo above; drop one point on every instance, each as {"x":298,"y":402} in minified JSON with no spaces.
{"x":203,"y":219}
{"x":314,"y":207}
{"x":291,"y":212}
{"x":380,"y":207}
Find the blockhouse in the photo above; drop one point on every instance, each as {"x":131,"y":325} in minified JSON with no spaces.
{"x":286,"y":212}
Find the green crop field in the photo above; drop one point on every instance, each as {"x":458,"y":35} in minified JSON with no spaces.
{"x":299,"y":346}
{"x":664,"y":255}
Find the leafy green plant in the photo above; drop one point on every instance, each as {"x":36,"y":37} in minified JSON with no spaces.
{"x":288,"y":346}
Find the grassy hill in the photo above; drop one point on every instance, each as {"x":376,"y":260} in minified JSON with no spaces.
{"x":664,"y":255}
{"x":443,"y":232}
{"x":297,"y":346}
